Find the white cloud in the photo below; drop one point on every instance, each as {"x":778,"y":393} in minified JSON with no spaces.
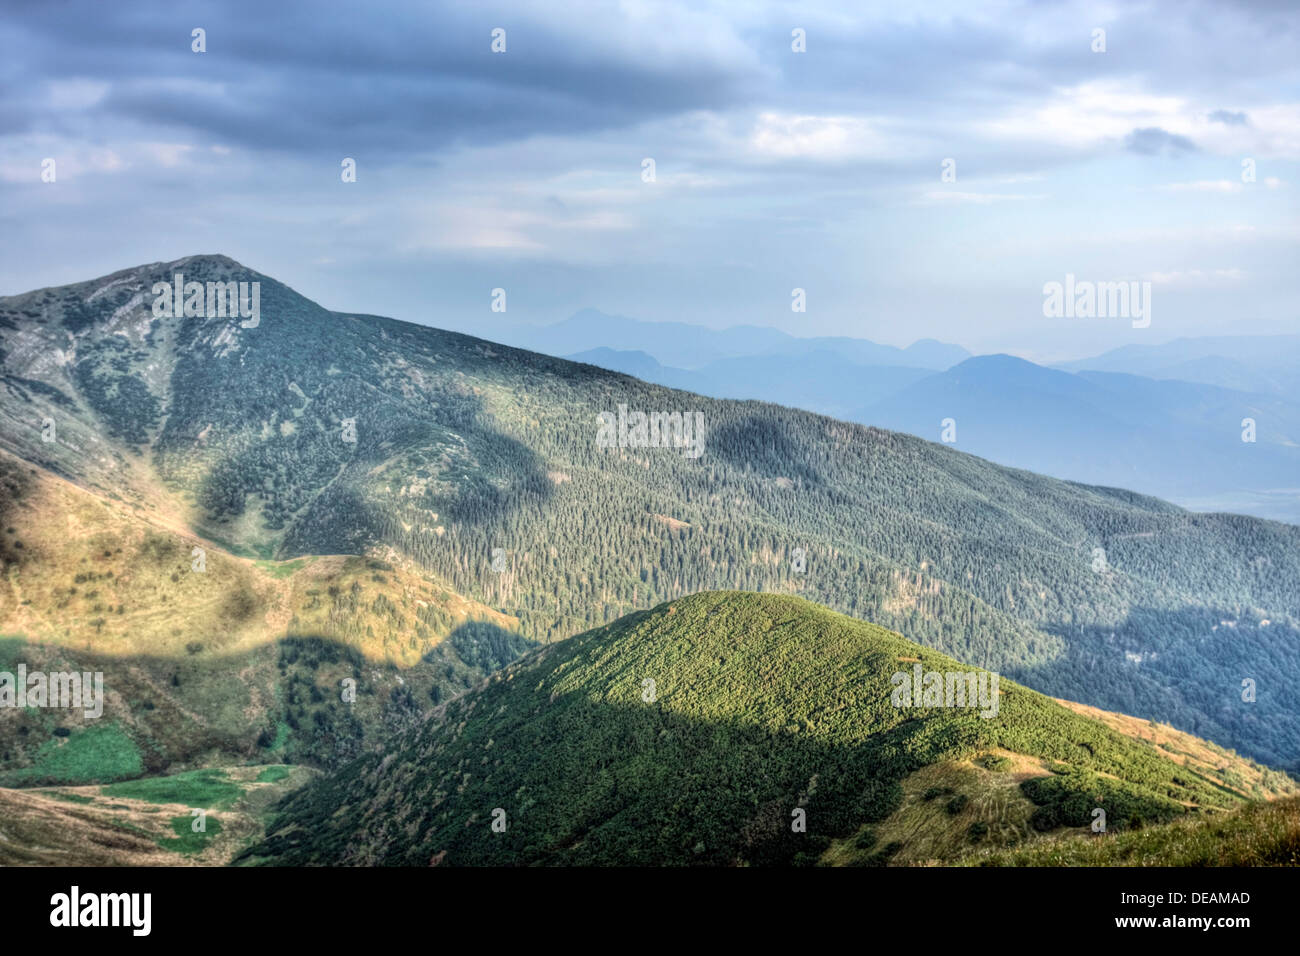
{"x":167,"y":154}
{"x":1196,"y":277}
{"x":1103,"y":112}
{"x":791,"y":136}
{"x":1205,"y":186}
{"x":983,"y":199}
{"x":1090,"y":114}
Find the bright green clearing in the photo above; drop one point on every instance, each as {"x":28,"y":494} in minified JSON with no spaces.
{"x":196,"y":788}
{"x":89,"y":756}
{"x":190,"y":842}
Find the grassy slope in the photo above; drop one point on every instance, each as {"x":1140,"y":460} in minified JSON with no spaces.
{"x":192,"y":661}
{"x":764,"y":704}
{"x":1257,"y":834}
{"x":79,"y":559}
{"x":142,"y":823}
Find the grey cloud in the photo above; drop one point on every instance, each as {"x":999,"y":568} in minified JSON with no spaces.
{"x":292,"y":77}
{"x":1154,"y":141}
{"x":1229,"y":118}
{"x":462,"y":152}
{"x":409,"y":77}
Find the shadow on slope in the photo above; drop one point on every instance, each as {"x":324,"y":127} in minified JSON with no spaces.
{"x":282,"y":702}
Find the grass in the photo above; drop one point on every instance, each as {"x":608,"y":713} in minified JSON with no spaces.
{"x":1258,"y":834}
{"x":96,"y":754}
{"x":71,"y":797}
{"x":193,"y":658}
{"x":930,"y":826}
{"x":52,"y":827}
{"x":11,"y":653}
{"x":995,"y":763}
{"x":282,"y":569}
{"x":282,"y":731}
{"x":196,"y":788}
{"x":189,"y":842}
{"x":273,"y":774}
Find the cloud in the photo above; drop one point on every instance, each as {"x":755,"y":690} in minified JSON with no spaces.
{"x":1206,"y":186}
{"x":1153,"y":141}
{"x":416,"y":77}
{"x":1228,"y":118}
{"x":784,"y":136}
{"x":1195,"y":277}
{"x":774,"y":168}
{"x":982,"y":199}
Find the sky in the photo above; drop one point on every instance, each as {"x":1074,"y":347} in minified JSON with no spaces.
{"x":774,"y":169}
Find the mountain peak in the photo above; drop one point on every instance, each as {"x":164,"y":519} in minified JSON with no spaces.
{"x":206,"y":261}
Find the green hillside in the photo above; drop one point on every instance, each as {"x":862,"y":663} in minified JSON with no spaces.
{"x":761,"y":706}
{"x":1258,"y":834}
{"x":464,"y":447}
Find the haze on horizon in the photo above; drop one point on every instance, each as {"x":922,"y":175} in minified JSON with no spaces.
{"x":774,"y":169}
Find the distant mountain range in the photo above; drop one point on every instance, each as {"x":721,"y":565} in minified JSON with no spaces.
{"x":820,"y":381}
{"x":1268,"y":364}
{"x":1180,"y":440}
{"x":688,"y":346}
{"x":1166,"y":420}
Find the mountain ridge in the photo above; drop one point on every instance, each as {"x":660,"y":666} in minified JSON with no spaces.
{"x":693,"y":733}
{"x":1101,"y":428}
{"x":465,"y":447}
{"x":688,"y":346}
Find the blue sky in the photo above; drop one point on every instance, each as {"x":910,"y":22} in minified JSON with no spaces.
{"x":774,"y":169}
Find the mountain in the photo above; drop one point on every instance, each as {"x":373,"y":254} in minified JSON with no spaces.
{"x":1108,"y":428}
{"x":632,"y":362}
{"x":483,"y":470}
{"x":707,"y":731}
{"x":1268,"y":364}
{"x":931,"y":353}
{"x":823,"y":382}
{"x":681,"y":344}
{"x":1098,"y":427}
{"x":674,"y":343}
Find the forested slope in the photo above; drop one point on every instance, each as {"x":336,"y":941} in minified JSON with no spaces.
{"x":463,"y":447}
{"x":721,"y":728}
